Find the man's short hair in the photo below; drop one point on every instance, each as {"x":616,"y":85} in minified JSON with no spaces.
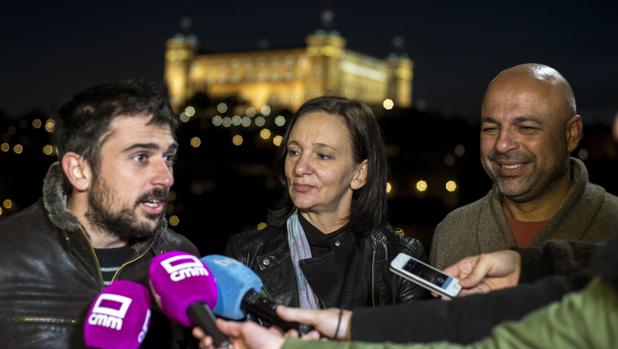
{"x":82,"y":121}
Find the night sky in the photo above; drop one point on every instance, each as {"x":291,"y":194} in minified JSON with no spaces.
{"x":51,"y":50}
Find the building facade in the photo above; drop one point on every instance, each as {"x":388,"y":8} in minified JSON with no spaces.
{"x":286,"y":78}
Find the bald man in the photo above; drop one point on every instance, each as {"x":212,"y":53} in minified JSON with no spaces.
{"x":529,"y":125}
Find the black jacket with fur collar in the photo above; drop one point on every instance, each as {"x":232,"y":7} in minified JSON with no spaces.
{"x":49,"y":275}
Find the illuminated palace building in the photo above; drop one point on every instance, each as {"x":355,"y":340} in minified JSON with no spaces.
{"x":285,"y":78}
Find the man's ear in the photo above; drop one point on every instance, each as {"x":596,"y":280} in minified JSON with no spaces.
{"x":360,"y":175}
{"x":77,"y":170}
{"x":574,"y":132}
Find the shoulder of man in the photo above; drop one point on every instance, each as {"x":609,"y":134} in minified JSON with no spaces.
{"x":21,"y":226}
{"x":453,"y":230}
{"x":171,"y":240}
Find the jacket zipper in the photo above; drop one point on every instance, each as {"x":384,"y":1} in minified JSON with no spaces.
{"x":45,"y":320}
{"x":96,"y":260}
{"x":133,"y":260}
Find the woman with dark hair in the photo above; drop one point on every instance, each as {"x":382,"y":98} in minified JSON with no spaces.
{"x":328,"y":243}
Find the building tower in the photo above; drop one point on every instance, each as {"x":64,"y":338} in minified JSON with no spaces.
{"x":325,"y":49}
{"x":179,"y":57}
{"x":401,"y":75}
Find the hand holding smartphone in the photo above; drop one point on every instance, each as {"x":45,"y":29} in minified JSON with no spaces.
{"x":425,"y":275}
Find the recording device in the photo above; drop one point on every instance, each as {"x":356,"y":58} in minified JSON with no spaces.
{"x":240,"y":293}
{"x":425,"y":275}
{"x":118,"y":317}
{"x":186,"y":291}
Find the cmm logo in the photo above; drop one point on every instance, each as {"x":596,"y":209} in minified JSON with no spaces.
{"x":109,"y":311}
{"x":183,"y":267}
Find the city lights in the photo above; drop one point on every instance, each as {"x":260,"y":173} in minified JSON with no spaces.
{"x":265,"y":133}
{"x":260,"y":121}
{"x":226,"y":122}
{"x":388,"y":104}
{"x":196,"y":142}
{"x":190,"y":111}
{"x":184,"y":117}
{"x":265,"y":110}
{"x":250,"y":112}
{"x":237,"y":140}
{"x":50,"y":125}
{"x":221,"y":107}
{"x":217,"y":120}
{"x":449,"y":160}
{"x":48,"y":150}
{"x":173,"y":220}
{"x":460,"y":150}
{"x":451,"y":186}
{"x":421,"y":185}
{"x":280,"y":120}
{"x":236,"y":120}
{"x":7,"y":203}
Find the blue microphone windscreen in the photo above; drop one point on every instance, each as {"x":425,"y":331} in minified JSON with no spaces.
{"x":234,"y":280}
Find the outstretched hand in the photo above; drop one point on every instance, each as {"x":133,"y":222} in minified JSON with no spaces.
{"x":244,"y":335}
{"x":487,"y":272}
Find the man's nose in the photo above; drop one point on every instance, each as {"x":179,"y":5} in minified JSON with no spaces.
{"x":505,"y":142}
{"x":163,"y":174}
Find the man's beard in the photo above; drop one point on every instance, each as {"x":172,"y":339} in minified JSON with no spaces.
{"x":123,"y":224}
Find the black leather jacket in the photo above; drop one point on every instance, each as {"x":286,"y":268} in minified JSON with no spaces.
{"x":49,"y":276}
{"x":367,"y":282}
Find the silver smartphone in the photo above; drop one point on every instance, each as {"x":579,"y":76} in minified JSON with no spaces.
{"x":425,"y":275}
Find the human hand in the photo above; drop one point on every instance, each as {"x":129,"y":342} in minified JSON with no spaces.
{"x":487,"y":272}
{"x":333,"y":323}
{"x":244,"y":335}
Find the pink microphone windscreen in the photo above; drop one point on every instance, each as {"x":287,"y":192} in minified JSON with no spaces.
{"x":118,"y":317}
{"x":179,"y":280}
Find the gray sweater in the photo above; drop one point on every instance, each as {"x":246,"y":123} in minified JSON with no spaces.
{"x":587,"y":214}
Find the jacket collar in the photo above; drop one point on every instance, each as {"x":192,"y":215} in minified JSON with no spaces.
{"x":55,"y":197}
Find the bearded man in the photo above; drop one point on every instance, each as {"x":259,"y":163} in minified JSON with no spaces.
{"x":100,"y":218}
{"x":529,"y":126}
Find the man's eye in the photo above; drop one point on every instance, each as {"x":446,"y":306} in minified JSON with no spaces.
{"x":171,"y":159}
{"x":489,"y":130}
{"x":140,"y":157}
{"x":527,"y":129}
{"x":323,"y":156}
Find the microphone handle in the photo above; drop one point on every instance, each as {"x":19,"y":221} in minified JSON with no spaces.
{"x":264,"y":308}
{"x":201,"y":315}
